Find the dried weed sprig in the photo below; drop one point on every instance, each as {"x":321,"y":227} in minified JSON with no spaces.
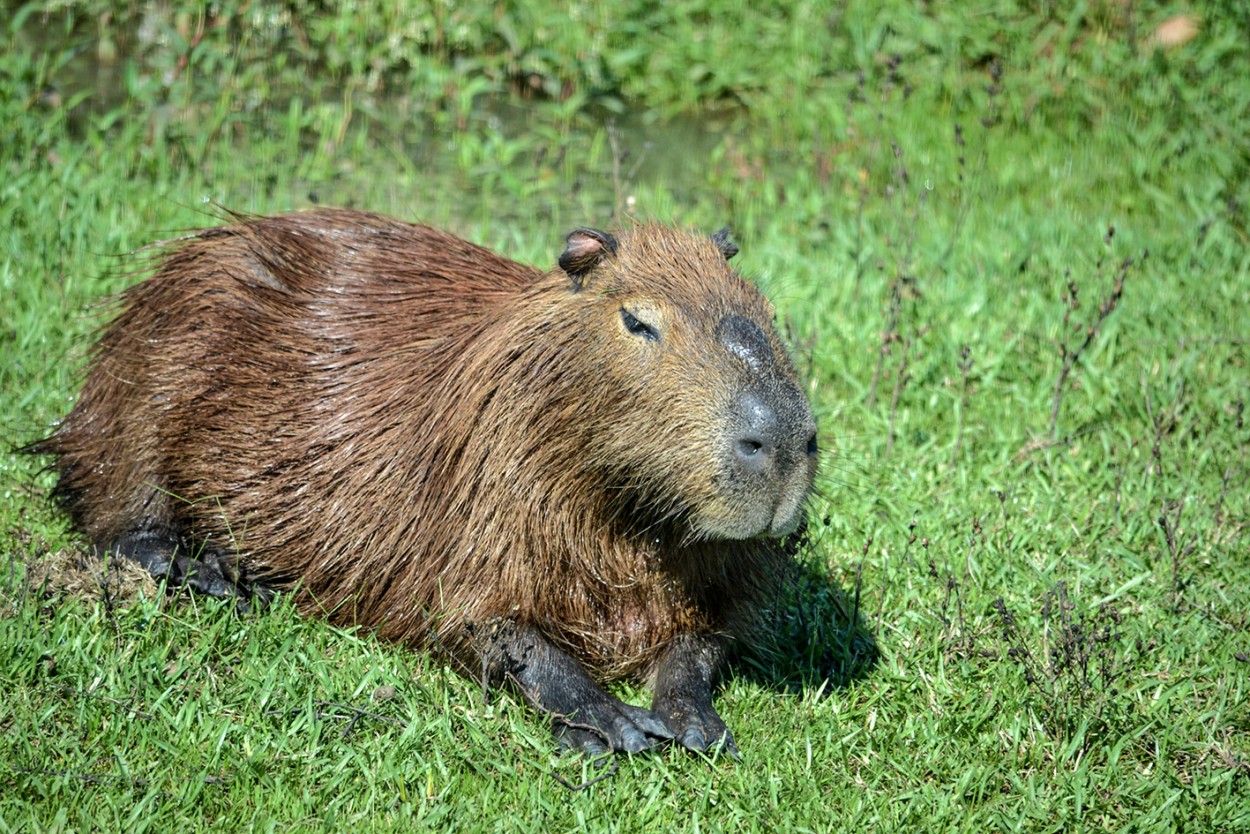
{"x":964,"y":364}
{"x":1075,"y":337}
{"x":1072,"y":680}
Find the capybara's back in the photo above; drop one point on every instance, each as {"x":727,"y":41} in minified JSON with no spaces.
{"x":543,"y":474}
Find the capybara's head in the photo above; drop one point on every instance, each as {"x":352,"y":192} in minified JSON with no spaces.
{"x":714,"y":431}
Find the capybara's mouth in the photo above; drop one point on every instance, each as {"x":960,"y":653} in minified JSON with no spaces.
{"x":788,"y":518}
{"x":772,"y":515}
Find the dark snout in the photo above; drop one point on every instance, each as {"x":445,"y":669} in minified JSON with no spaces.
{"x":770,"y":458}
{"x":774,"y":433}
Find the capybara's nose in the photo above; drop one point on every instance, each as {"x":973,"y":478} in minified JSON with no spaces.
{"x":758,"y":435}
{"x":773,"y":433}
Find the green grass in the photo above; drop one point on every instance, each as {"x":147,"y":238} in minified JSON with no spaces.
{"x":1051,"y":655}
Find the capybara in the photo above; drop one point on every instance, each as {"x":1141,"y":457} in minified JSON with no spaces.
{"x":558,"y":479}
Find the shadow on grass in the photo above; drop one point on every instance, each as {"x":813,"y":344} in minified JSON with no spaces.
{"x":815,"y":637}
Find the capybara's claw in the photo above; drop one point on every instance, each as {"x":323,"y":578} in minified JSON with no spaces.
{"x":618,"y":733}
{"x":647,"y":721}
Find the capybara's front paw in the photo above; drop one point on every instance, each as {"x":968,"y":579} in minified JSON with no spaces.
{"x":611,"y":726}
{"x":696,"y":726}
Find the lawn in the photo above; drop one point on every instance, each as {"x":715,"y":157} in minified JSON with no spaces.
{"x":1008,"y":247}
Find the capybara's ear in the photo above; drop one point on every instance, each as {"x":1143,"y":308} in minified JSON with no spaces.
{"x":584,"y":249}
{"x":726,"y":246}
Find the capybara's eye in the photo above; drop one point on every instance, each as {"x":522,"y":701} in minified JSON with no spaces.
{"x":638,"y":328}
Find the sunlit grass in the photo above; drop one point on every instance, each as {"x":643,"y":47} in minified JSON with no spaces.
{"x":1060,"y":619}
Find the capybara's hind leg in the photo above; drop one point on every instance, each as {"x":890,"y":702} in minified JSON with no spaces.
{"x":204,"y":570}
{"x":583,"y":716}
{"x":166,"y":556}
{"x":154,"y":550}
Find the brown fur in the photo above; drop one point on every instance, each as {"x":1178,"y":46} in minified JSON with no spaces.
{"x":422,"y":436}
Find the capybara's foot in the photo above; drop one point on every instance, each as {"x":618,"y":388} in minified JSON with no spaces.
{"x":207,"y":571}
{"x":683,"y":695}
{"x":154,"y":550}
{"x":583,"y":716}
{"x":602,"y":724}
{"x":696,"y":726}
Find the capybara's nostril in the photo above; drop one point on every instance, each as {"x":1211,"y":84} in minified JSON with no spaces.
{"x":751,"y":452}
{"x":755,"y":442}
{"x":812,"y":448}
